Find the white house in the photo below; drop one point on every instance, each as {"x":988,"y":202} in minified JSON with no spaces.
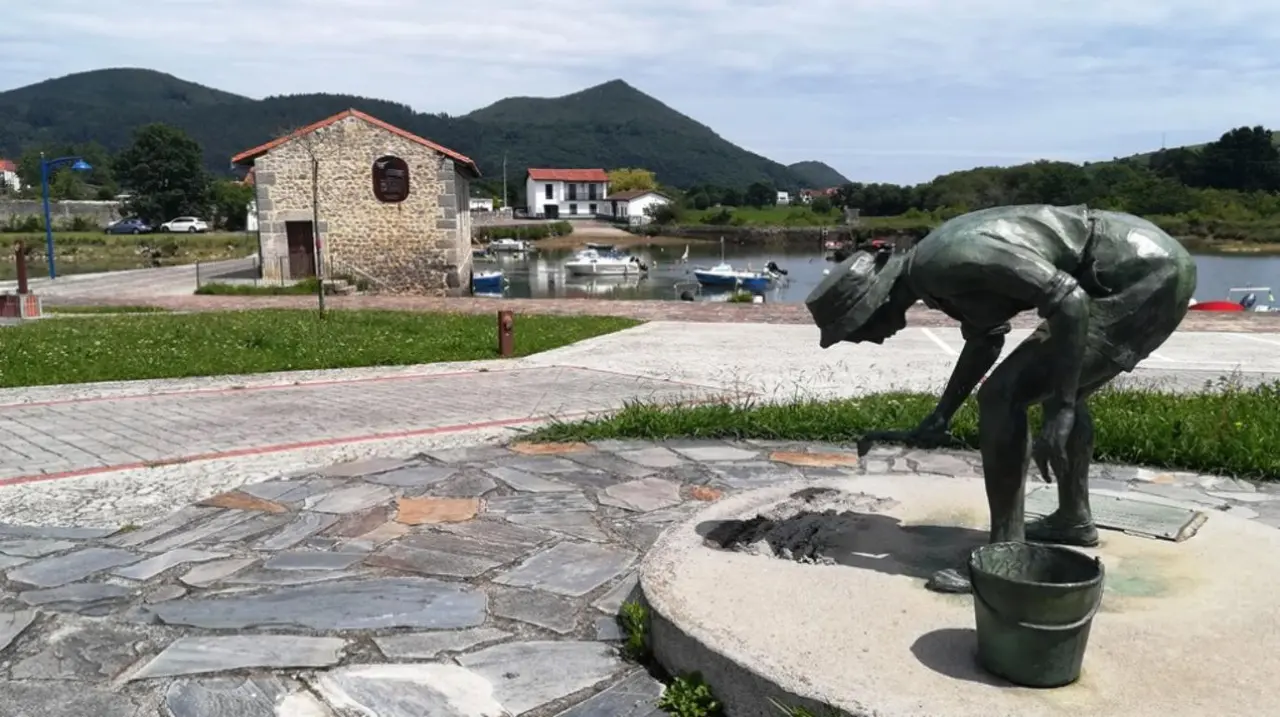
{"x":251,"y":217}
{"x":784,"y":198}
{"x":566,"y":193}
{"x":9,"y":175}
{"x":633,"y":205}
{"x":481,"y":204}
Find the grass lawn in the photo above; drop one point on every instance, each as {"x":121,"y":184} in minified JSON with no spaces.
{"x":116,"y":348}
{"x":85,"y":310}
{"x":1220,"y":430}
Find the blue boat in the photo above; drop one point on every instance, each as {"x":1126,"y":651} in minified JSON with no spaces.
{"x":487,"y":282}
{"x":725,"y":276}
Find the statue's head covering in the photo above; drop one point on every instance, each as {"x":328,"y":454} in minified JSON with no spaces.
{"x":848,"y":296}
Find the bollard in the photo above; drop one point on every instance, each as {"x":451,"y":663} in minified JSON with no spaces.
{"x":20,"y":261}
{"x":506,"y":333}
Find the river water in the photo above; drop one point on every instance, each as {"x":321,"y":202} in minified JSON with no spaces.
{"x":540,"y":274}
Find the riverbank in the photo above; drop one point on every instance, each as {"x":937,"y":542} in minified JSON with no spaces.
{"x":802,"y":225}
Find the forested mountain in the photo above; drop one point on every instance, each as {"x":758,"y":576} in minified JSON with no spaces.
{"x":610,"y":125}
{"x":817,"y":175}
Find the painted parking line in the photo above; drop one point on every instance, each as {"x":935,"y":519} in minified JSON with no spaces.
{"x":946,"y":347}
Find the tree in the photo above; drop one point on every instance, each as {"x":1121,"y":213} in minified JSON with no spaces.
{"x":66,"y":183}
{"x":623,"y":180}
{"x":760,"y":194}
{"x":230,"y":204}
{"x":1244,"y":159}
{"x":820,"y":204}
{"x":162,"y":170}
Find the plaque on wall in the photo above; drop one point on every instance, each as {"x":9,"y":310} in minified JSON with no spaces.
{"x":390,"y":179}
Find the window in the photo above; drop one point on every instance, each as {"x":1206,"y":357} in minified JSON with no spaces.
{"x":573,"y":192}
{"x":550,"y":191}
{"x":591,"y":209}
{"x":573,"y":208}
{"x":593,"y":191}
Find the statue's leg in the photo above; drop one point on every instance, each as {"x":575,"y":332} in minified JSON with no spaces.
{"x":1072,"y":522}
{"x":1024,"y":378}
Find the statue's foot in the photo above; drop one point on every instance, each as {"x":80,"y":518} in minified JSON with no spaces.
{"x":1054,"y":529}
{"x":949,"y":581}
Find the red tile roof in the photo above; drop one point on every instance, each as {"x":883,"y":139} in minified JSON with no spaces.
{"x":7,"y":165}
{"x":251,"y":154}
{"x":630,"y":194}
{"x":568,"y":175}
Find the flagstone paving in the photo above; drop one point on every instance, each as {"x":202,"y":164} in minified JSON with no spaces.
{"x":466,"y":583}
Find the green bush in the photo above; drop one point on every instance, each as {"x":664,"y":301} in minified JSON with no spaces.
{"x":1224,"y":428}
{"x":527,"y":232}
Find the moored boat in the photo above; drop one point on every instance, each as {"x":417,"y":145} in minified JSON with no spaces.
{"x":487,"y":282}
{"x":510,"y":245}
{"x":604,"y":260}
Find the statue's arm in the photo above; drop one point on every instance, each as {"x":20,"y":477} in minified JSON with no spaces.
{"x":981,"y":350}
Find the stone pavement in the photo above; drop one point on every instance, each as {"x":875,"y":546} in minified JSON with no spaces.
{"x":56,"y":439}
{"x":474,"y":582}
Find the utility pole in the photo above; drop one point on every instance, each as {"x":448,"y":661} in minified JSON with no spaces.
{"x":504,"y":179}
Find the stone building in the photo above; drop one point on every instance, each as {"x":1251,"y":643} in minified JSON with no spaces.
{"x":390,"y":206}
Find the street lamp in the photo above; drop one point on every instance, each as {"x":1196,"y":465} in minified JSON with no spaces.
{"x":46,"y":166}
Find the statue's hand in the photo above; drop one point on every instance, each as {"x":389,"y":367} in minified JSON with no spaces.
{"x":933,"y":432}
{"x":1051,"y":447}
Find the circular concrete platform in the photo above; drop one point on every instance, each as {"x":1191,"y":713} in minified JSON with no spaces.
{"x":831,"y":608}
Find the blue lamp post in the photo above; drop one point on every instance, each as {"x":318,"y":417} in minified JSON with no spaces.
{"x":47,"y":166}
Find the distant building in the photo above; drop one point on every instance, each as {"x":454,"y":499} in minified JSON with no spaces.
{"x":633,"y":205}
{"x":807,"y":195}
{"x":482,"y":204}
{"x":565,"y":193}
{"x":391,"y":206}
{"x":9,"y":175}
{"x":784,"y":198}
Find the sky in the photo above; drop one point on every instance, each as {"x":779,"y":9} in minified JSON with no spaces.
{"x":884,"y":91}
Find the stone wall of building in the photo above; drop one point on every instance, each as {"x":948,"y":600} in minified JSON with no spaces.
{"x":63,"y":212}
{"x":417,"y":246}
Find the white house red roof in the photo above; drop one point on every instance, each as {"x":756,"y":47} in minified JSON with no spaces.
{"x":568,"y":175}
{"x":8,"y":165}
{"x":251,"y":154}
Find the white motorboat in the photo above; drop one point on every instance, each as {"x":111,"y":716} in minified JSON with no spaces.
{"x":604,"y":260}
{"x":509,"y":245}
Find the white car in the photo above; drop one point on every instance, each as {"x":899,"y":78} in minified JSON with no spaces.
{"x":184,"y":224}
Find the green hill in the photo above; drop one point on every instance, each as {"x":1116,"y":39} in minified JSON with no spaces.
{"x":817,"y":175}
{"x":610,"y":125}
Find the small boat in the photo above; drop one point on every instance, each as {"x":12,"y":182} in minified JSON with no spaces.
{"x":604,"y":260}
{"x":509,"y":245}
{"x":724,"y":275}
{"x":1247,"y":302}
{"x":487,"y":282}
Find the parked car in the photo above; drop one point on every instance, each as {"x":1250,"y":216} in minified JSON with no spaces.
{"x":132,"y":225}
{"x":184,"y":224}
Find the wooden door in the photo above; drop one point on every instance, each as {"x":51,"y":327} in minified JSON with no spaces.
{"x":302,"y":249}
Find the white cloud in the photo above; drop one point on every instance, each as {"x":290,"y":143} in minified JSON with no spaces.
{"x":893,"y":90}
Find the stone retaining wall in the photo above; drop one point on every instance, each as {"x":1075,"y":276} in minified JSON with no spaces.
{"x":786,"y":235}
{"x":100,"y":213}
{"x":497,"y":216}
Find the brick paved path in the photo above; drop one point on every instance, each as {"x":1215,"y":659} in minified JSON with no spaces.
{"x":475,"y":582}
{"x":643,"y":310}
{"x":58,"y":439}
